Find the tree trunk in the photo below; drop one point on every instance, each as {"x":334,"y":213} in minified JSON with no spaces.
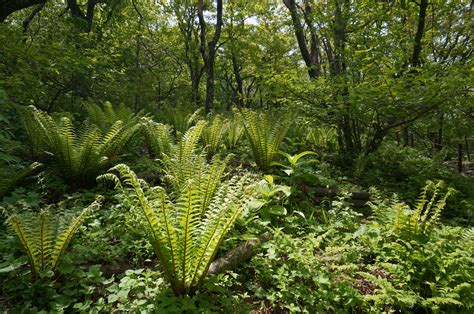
{"x":238,"y":79}
{"x":209,"y":49}
{"x":417,"y":45}
{"x":311,"y":55}
{"x":460,"y":157}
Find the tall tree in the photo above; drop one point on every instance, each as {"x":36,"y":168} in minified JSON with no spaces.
{"x":209,"y":49}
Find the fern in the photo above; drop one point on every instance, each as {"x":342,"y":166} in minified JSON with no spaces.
{"x":46,"y":235}
{"x":421,"y":220}
{"x":180,"y":118}
{"x":104,"y":117}
{"x":11,"y":178}
{"x":213,"y":135}
{"x":78,"y":155}
{"x":187,"y":228}
{"x":157,"y":137}
{"x":265,"y":136}
{"x":234,"y":133}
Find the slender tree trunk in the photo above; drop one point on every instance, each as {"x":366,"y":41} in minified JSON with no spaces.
{"x":417,"y":46}
{"x":209,"y":49}
{"x":466,"y":144}
{"x":310,"y":55}
{"x":460,"y":157}
{"x":238,"y":79}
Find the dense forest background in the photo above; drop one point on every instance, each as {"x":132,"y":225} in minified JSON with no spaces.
{"x":376,"y":96}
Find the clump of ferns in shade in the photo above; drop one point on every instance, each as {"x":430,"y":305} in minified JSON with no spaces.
{"x":77,"y":153}
{"x":186,"y":233}
{"x":265,"y":135}
{"x":189,"y":222}
{"x":46,"y":235}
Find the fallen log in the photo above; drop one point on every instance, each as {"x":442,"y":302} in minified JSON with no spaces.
{"x":240,"y":254}
{"x":357,"y":198}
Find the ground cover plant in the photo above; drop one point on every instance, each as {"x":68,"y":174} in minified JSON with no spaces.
{"x":236,"y":157}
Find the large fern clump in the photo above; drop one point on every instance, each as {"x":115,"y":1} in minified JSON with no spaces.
{"x":235,"y":132}
{"x":104,"y":117}
{"x":265,"y":134}
{"x":180,"y":118}
{"x":188,"y":222}
{"x":187,"y":228}
{"x":45,"y":236}
{"x":213,"y":135}
{"x":157,"y":137}
{"x":78,"y":154}
{"x":419,"y":221}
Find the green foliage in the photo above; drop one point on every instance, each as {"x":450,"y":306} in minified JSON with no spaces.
{"x":234,"y":133}
{"x":180,"y":118}
{"x":157,"y":137}
{"x":213,"y":135}
{"x":322,"y":139}
{"x":301,"y":275}
{"x":420,"y":221}
{"x":46,"y":235}
{"x":104,"y":117}
{"x":185,"y":237}
{"x":265,"y":135}
{"x":271,"y":198}
{"x":10,"y":178}
{"x":78,"y":154}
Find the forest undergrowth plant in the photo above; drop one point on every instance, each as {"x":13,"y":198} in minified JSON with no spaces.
{"x":180,"y":118}
{"x":104,"y":117}
{"x":234,"y":133}
{"x":12,"y":176}
{"x":422,"y":219}
{"x":46,"y":235}
{"x":265,"y":135}
{"x":184,"y":234}
{"x":213,"y":135}
{"x":79,"y":154}
{"x":157,"y":137}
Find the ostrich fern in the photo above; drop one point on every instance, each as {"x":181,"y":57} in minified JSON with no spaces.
{"x":46,"y":235}
{"x":185,"y":233}
{"x":12,"y":177}
{"x":183,"y":164}
{"x":419,"y":221}
{"x":104,"y":117}
{"x":213,"y":135}
{"x":234,"y":133}
{"x":265,"y":136}
{"x":78,"y":154}
{"x":157,"y":137}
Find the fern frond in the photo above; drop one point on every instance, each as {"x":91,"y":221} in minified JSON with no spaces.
{"x":187,"y":231}
{"x":45,"y":236}
{"x":157,"y":137}
{"x":213,"y":135}
{"x":265,"y":136}
{"x":81,"y":154}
